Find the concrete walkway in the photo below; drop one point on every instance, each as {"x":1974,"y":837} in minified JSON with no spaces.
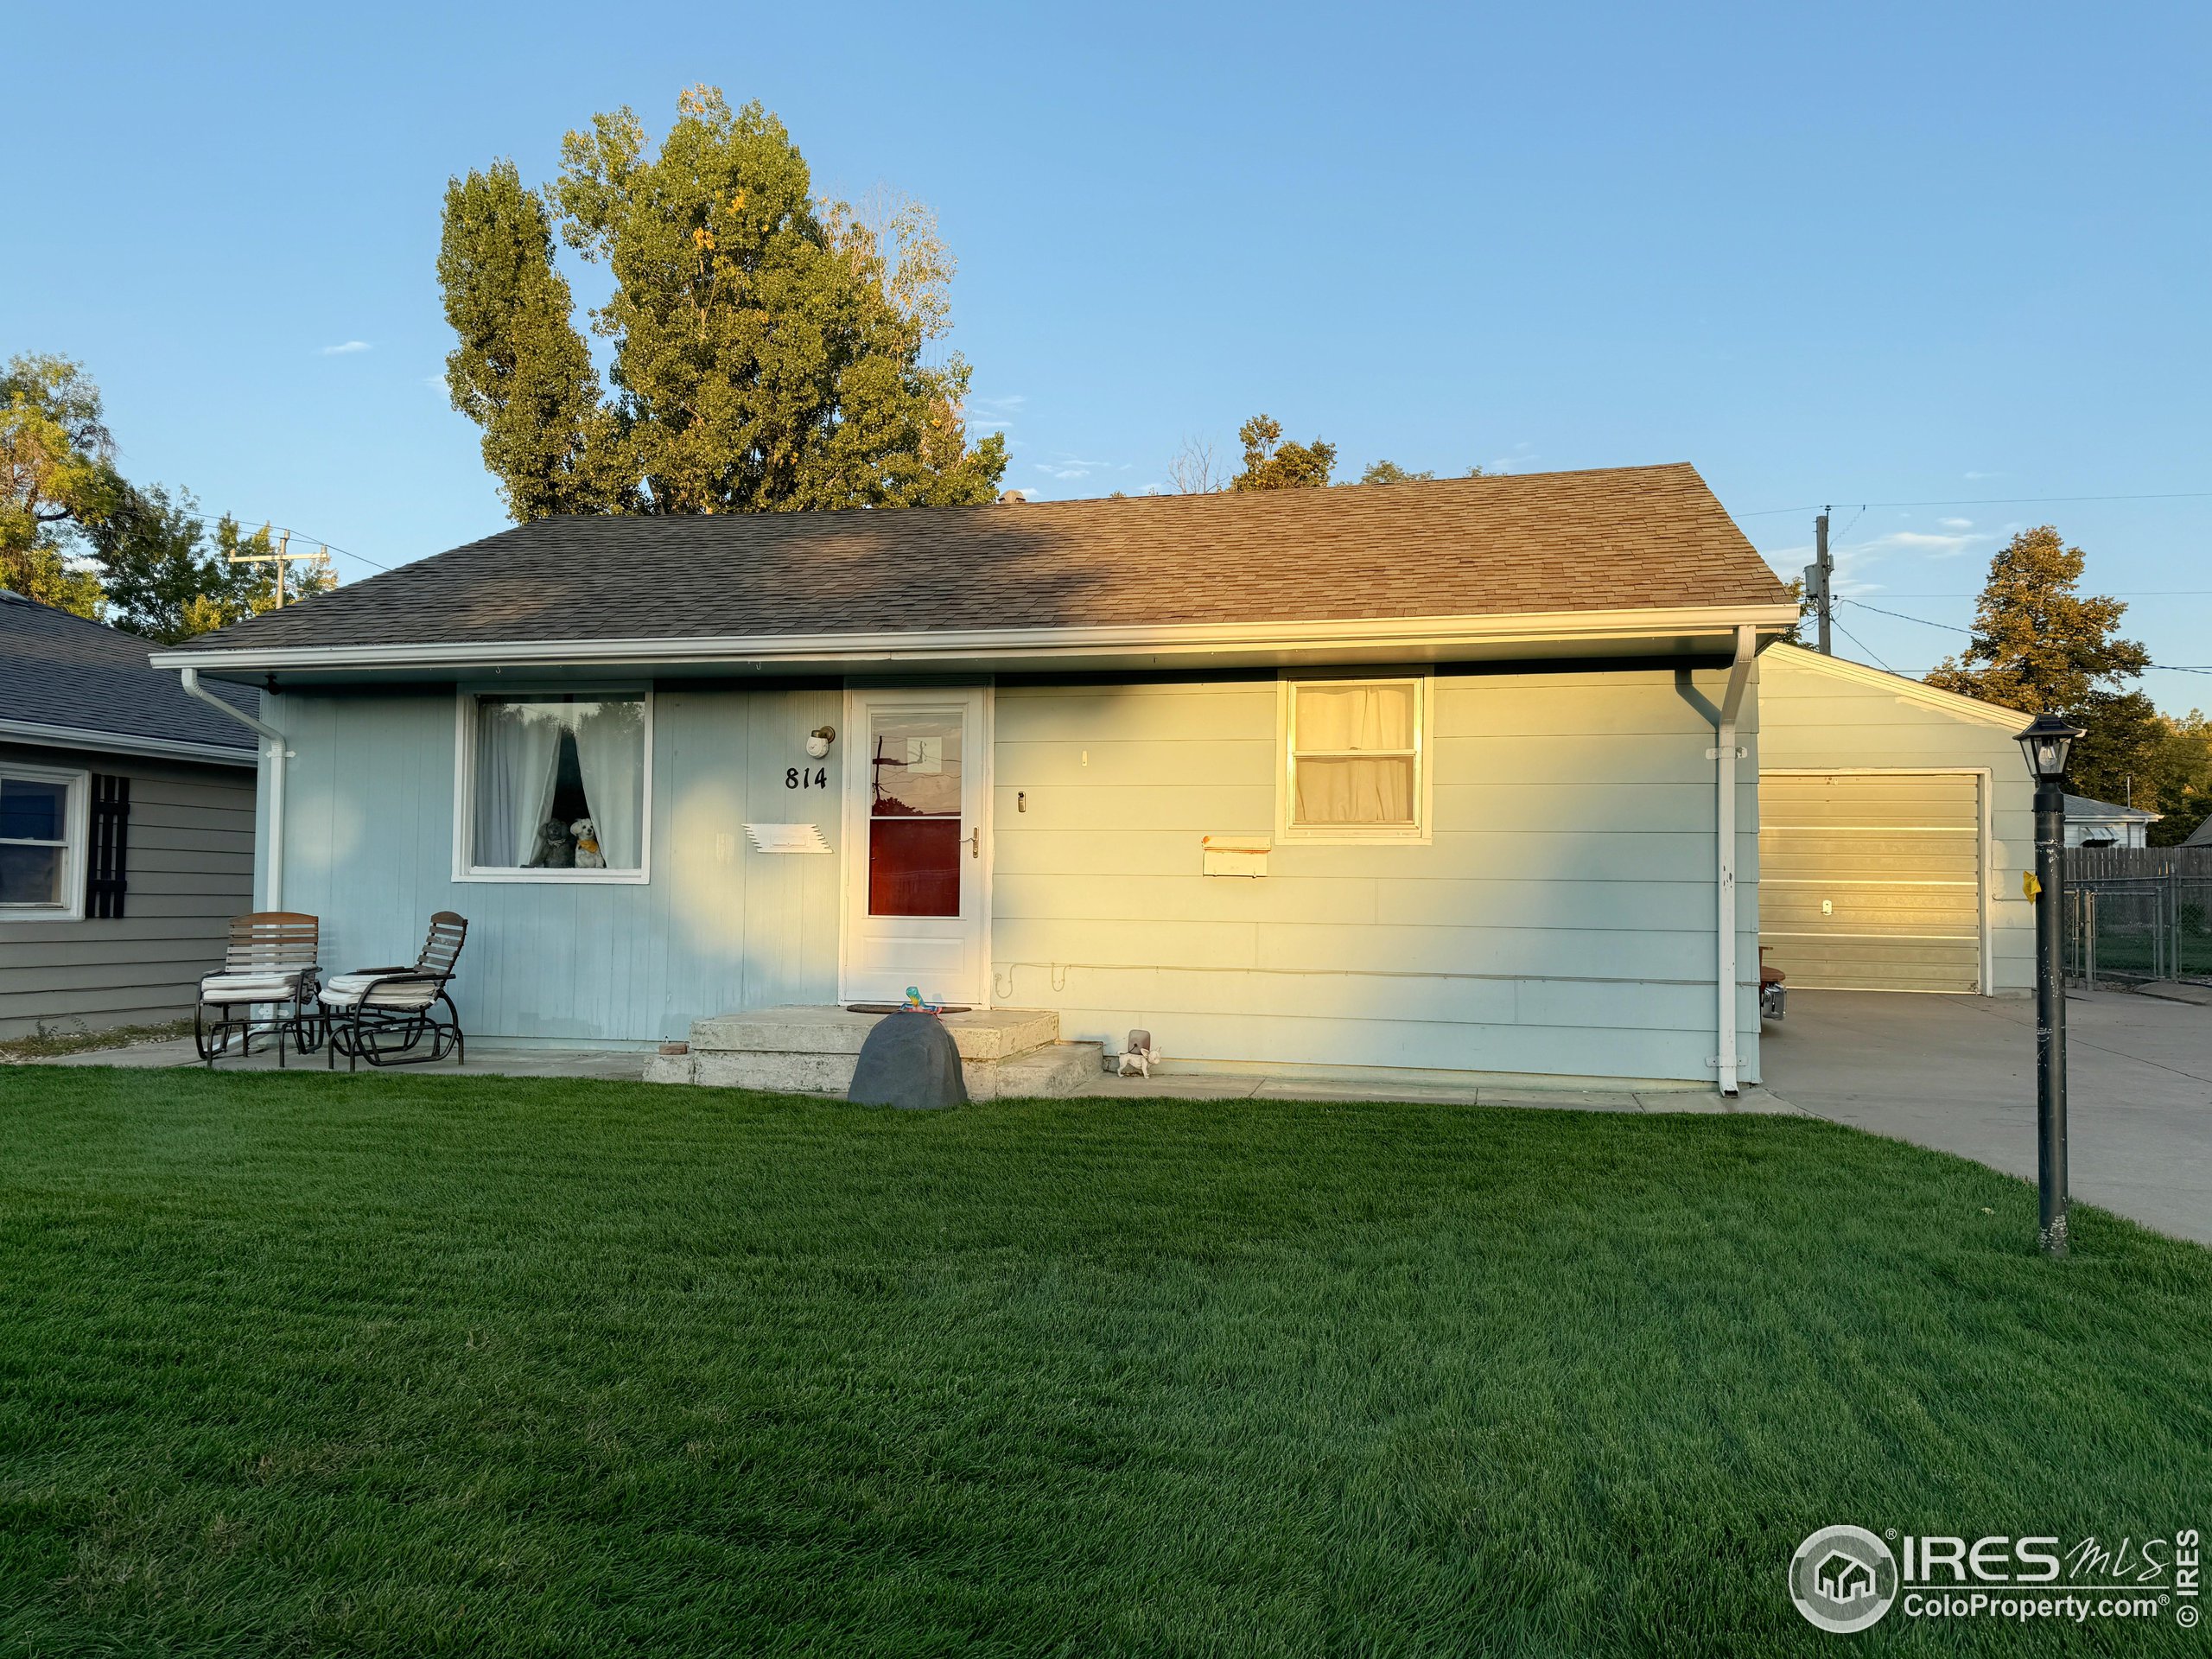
{"x":485,"y":1058}
{"x":1957,"y":1073}
{"x":489,"y":1058}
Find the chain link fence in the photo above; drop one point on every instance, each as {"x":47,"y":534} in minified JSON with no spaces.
{"x":2130,"y":929}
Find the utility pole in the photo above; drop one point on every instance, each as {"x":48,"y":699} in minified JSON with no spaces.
{"x":1820,"y":579}
{"x":283,"y":557}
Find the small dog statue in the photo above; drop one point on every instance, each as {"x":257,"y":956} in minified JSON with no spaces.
{"x":588,"y":857}
{"x":1138,"y":1054}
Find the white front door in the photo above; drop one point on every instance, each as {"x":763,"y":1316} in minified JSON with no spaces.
{"x":916,"y":845}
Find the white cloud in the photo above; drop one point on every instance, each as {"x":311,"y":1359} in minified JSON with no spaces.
{"x":1073,"y":467}
{"x":989,"y":414}
{"x":1977,"y":477}
{"x":346,"y":349}
{"x":1956,"y":523}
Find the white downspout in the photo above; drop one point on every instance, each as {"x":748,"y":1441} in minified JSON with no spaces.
{"x":1726,"y":753}
{"x":277,"y":755}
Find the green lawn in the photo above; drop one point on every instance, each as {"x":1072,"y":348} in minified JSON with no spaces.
{"x":405,"y":1365}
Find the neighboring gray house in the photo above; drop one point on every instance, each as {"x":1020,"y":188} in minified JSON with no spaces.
{"x":2105,"y":823}
{"x":126,"y":826}
{"x":1395,"y":781}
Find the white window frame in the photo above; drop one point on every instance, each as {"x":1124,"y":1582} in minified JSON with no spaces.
{"x":1422,"y":831}
{"x":76,"y":836}
{"x":464,"y":788}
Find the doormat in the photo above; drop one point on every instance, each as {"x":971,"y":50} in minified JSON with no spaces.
{"x":900,"y":1008}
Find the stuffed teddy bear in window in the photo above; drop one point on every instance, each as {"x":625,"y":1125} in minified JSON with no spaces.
{"x":588,"y":857}
{"x":554,"y":851}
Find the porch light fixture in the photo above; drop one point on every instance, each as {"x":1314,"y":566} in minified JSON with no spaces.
{"x":819,"y":740}
{"x":2047,"y":742}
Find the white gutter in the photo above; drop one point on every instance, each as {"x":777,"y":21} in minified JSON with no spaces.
{"x":75,"y":737}
{"x":1726,"y":753}
{"x":1151,"y":640}
{"x":278,"y":754}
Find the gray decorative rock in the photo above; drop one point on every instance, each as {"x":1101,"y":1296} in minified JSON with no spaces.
{"x":909,"y":1061}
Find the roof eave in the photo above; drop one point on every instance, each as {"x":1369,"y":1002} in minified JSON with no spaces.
{"x":1671,"y":630}
{"x":39,"y":735}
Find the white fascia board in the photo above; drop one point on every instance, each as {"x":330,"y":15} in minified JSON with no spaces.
{"x":1931,"y":696}
{"x":1149,"y":642}
{"x":70,"y":737}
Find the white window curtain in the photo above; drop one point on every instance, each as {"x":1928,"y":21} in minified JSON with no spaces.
{"x":611,"y":754}
{"x":1338,"y":782}
{"x":517,"y":754}
{"x":1340,"y":717}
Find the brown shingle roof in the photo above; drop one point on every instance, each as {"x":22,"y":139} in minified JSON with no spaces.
{"x":1624,"y":538}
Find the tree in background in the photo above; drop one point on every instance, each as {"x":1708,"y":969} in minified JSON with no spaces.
{"x":2040,"y":645}
{"x":1388,"y":471}
{"x":160,"y":577}
{"x":57,"y":481}
{"x":770,"y":349}
{"x":1193,"y":470}
{"x":1271,"y":464}
{"x":2181,"y":778}
{"x":75,"y":534}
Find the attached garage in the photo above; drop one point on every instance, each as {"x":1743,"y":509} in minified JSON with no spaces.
{"x":1873,"y":880}
{"x":1894,"y":823}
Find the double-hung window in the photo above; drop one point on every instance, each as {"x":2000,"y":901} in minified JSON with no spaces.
{"x":554,"y":786}
{"x":1356,"y":758}
{"x":41,"y":844}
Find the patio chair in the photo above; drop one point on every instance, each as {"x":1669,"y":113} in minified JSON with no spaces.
{"x":384,"y":1015}
{"x":270,"y":961}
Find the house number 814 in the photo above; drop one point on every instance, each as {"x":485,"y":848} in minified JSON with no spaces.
{"x":800,"y":777}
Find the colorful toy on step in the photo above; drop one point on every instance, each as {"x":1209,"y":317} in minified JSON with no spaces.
{"x":915,"y":1005}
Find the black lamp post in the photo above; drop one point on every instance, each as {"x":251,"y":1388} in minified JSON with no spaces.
{"x":2047,"y":742}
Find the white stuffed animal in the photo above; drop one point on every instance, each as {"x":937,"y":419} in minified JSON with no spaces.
{"x":1138,"y":1054}
{"x":588,"y":857}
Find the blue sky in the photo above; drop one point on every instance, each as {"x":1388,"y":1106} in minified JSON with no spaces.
{"x":1909,"y":254}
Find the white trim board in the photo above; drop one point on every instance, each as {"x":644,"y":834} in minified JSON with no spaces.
{"x":1908,"y":690}
{"x":1111,"y":642}
{"x":72,"y":737}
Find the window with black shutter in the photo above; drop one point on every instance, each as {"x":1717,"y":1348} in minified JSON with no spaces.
{"x":107,"y":879}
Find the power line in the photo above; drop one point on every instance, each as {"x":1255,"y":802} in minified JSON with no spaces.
{"x":289,"y":530}
{"x":1996,"y":501}
{"x":1948,"y":627}
{"x":1864,"y":647}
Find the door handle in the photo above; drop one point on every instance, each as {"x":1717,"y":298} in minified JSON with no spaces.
{"x":976,"y":841}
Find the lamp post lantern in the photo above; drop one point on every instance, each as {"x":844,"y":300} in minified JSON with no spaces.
{"x":2046,"y":743}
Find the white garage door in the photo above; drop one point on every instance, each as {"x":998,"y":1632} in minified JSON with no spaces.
{"x":1871,"y":881}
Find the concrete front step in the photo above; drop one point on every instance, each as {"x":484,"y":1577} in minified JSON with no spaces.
{"x":1005,"y":1053}
{"x":980,"y":1034}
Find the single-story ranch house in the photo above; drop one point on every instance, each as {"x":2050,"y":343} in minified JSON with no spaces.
{"x":1385,"y":781}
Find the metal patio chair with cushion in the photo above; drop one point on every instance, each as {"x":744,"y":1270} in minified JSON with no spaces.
{"x":384,"y":1015}
{"x":270,"y":961}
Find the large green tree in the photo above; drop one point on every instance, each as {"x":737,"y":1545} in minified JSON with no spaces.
{"x":769,"y":350}
{"x":2181,"y":777}
{"x":74,"y":533}
{"x":58,"y":480}
{"x":2040,"y":644}
{"x":162,"y":574}
{"x":1271,"y":464}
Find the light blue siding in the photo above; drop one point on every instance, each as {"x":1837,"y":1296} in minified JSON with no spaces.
{"x":369,"y":849}
{"x":1559,"y":920}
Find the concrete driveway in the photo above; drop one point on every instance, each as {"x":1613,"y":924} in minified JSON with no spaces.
{"x":1957,"y":1073}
